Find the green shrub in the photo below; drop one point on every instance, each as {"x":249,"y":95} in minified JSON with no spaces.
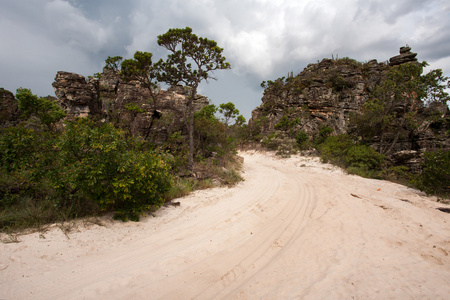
{"x":356,"y":158}
{"x":435,"y":175}
{"x":45,"y":109}
{"x":302,"y":139}
{"x":98,"y":164}
{"x":281,"y":143}
{"x":364,"y":161}
{"x":339,"y":83}
{"x":324,"y":133}
{"x":363,"y":157}
{"x":334,"y":149}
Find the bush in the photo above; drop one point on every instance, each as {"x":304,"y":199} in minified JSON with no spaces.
{"x":435,"y":175}
{"x":339,"y":83}
{"x":356,"y":158}
{"x":364,"y":161}
{"x":98,"y":164}
{"x":302,"y":139}
{"x":334,"y":149}
{"x":324,"y":133}
{"x":88,"y":168}
{"x":364,"y":157}
{"x":278,"y":141}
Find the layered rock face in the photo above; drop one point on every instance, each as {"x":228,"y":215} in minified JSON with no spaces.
{"x":329,"y":92}
{"x":76,"y":95}
{"x":126,"y":103}
{"x":325,"y":93}
{"x":405,"y":56}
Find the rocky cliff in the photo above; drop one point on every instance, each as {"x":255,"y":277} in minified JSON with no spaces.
{"x":126,"y":103}
{"x":328,"y":93}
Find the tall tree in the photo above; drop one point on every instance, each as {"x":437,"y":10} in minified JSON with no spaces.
{"x":192,"y":60}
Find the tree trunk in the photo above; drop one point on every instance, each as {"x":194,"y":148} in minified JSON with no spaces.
{"x":191,"y":135}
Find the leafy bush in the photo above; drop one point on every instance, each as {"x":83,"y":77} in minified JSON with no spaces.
{"x":45,"y":109}
{"x":302,"y":139}
{"x":364,"y":157}
{"x":435,"y":175}
{"x":98,"y":164}
{"x":324,"y":133}
{"x":363,"y":160}
{"x":356,"y":158}
{"x":334,"y":149}
{"x":45,"y":176}
{"x":284,"y":145}
{"x":339,"y":83}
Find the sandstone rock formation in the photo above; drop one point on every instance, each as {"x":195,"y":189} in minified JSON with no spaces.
{"x":325,"y":93}
{"x":405,"y":56}
{"x":78,"y":96}
{"x":128,"y":104}
{"x":329,"y":92}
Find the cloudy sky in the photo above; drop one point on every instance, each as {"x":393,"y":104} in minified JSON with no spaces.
{"x":262,"y":39}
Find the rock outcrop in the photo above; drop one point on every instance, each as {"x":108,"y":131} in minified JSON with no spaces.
{"x":78,"y":96}
{"x":329,"y":92}
{"x":326,"y":93}
{"x":405,"y":56}
{"x":9,"y":110}
{"x":127,"y":103}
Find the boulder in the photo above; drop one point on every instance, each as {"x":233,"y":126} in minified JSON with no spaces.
{"x":405,"y":56}
{"x":76,"y":94}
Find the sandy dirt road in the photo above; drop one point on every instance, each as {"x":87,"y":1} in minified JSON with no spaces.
{"x":294,"y":229}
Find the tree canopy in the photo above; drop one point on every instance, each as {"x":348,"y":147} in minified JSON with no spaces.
{"x":191,"y":61}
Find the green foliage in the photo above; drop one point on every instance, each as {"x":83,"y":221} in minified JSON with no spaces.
{"x":339,"y":83}
{"x":363,"y":160}
{"x":349,"y":62}
{"x":286,"y":124}
{"x":358,"y":159}
{"x":240,"y":120}
{"x":142,"y":69}
{"x":435,"y":175}
{"x":113,"y":63}
{"x":46,"y":176}
{"x":302,"y":139}
{"x":393,"y":110}
{"x":435,"y":85}
{"x":99,"y":164}
{"x":278,"y":141}
{"x":210,"y":135}
{"x":324,"y":133}
{"x":46,"y":110}
{"x":273,"y":86}
{"x":334,"y":148}
{"x":229,"y":111}
{"x":133,"y":108}
{"x":192,"y":58}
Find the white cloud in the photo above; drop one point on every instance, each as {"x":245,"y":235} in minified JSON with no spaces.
{"x":72,"y":27}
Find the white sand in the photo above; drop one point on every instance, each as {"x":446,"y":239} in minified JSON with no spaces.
{"x":292,"y":230}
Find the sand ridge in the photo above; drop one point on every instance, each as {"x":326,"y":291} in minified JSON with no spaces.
{"x":294,"y":229}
